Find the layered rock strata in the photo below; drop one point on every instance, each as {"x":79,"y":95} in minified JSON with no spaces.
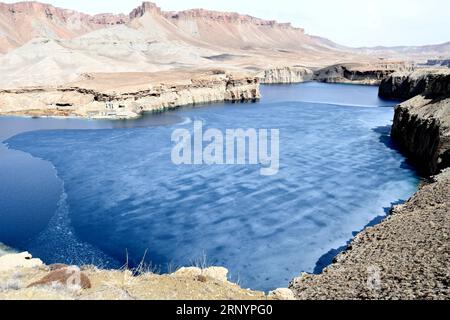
{"x":285,"y":75}
{"x":92,"y":98}
{"x":371,"y":74}
{"x":422,"y":124}
{"x":405,"y":85}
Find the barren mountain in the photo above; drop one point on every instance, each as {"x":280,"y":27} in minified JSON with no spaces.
{"x":411,"y":52}
{"x":44,"y":45}
{"x":23,"y":21}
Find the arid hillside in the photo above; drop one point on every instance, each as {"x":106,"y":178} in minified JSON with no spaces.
{"x":41,"y":45}
{"x":44,"y":45}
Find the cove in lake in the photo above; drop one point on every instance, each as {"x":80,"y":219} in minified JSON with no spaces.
{"x":117,"y":192}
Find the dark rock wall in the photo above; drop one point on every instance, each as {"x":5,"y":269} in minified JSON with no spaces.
{"x":421,"y":125}
{"x":422,"y":140}
{"x":404,"y":86}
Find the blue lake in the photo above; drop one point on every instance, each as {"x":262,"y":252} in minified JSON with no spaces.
{"x":87,"y":192}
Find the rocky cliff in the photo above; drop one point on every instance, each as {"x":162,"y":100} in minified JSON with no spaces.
{"x":285,"y":75}
{"x":128,"y":95}
{"x":359,"y":73}
{"x":405,"y":85}
{"x":422,"y":124}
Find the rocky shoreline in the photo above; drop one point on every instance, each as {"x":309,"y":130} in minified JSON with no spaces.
{"x":360,"y":73}
{"x":128,"y":95}
{"x":286,"y":75}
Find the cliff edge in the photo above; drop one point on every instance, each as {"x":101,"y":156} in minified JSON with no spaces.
{"x":24,"y":277}
{"x":422,"y":124}
{"x":128,"y":95}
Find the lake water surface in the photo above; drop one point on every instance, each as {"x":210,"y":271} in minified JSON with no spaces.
{"x":86,"y":192}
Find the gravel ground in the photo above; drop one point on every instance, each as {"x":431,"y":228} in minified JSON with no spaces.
{"x":405,"y":257}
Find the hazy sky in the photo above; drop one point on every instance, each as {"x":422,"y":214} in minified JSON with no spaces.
{"x":348,"y":22}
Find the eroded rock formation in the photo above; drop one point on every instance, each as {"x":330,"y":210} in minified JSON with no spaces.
{"x":422,"y":124}
{"x":359,"y":73}
{"x":422,"y":130}
{"x":285,"y":75}
{"x":91,"y":98}
{"x":405,"y":85}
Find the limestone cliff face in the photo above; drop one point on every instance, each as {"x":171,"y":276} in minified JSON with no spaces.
{"x":145,"y":7}
{"x":227,"y":17}
{"x":82,"y":101}
{"x":359,"y":73}
{"x":422,"y":130}
{"x":422,"y":124}
{"x":285,"y":75}
{"x":403,"y":85}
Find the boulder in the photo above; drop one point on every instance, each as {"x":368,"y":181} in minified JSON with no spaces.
{"x":217,"y":273}
{"x":68,"y":277}
{"x":18,"y":260}
{"x":282,"y":294}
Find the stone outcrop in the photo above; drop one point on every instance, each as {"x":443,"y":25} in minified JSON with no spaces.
{"x":405,"y":85}
{"x":85,"y":100}
{"x":285,"y":75}
{"x":41,"y":282}
{"x":422,"y":130}
{"x":371,"y":74}
{"x":145,"y":7}
{"x":13,"y":261}
{"x":227,"y":17}
{"x":422,"y":124}
{"x":282,"y":294}
{"x":217,"y":273}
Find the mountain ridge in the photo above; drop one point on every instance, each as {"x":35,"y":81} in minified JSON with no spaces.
{"x":41,"y":44}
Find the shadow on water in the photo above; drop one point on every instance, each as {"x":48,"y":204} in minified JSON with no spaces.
{"x":385,"y":138}
{"x":328,"y":258}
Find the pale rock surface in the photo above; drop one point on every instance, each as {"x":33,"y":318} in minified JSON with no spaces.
{"x":20,"y":260}
{"x":127,"y":95}
{"x":285,"y":75}
{"x":218,"y":273}
{"x":282,"y":294}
